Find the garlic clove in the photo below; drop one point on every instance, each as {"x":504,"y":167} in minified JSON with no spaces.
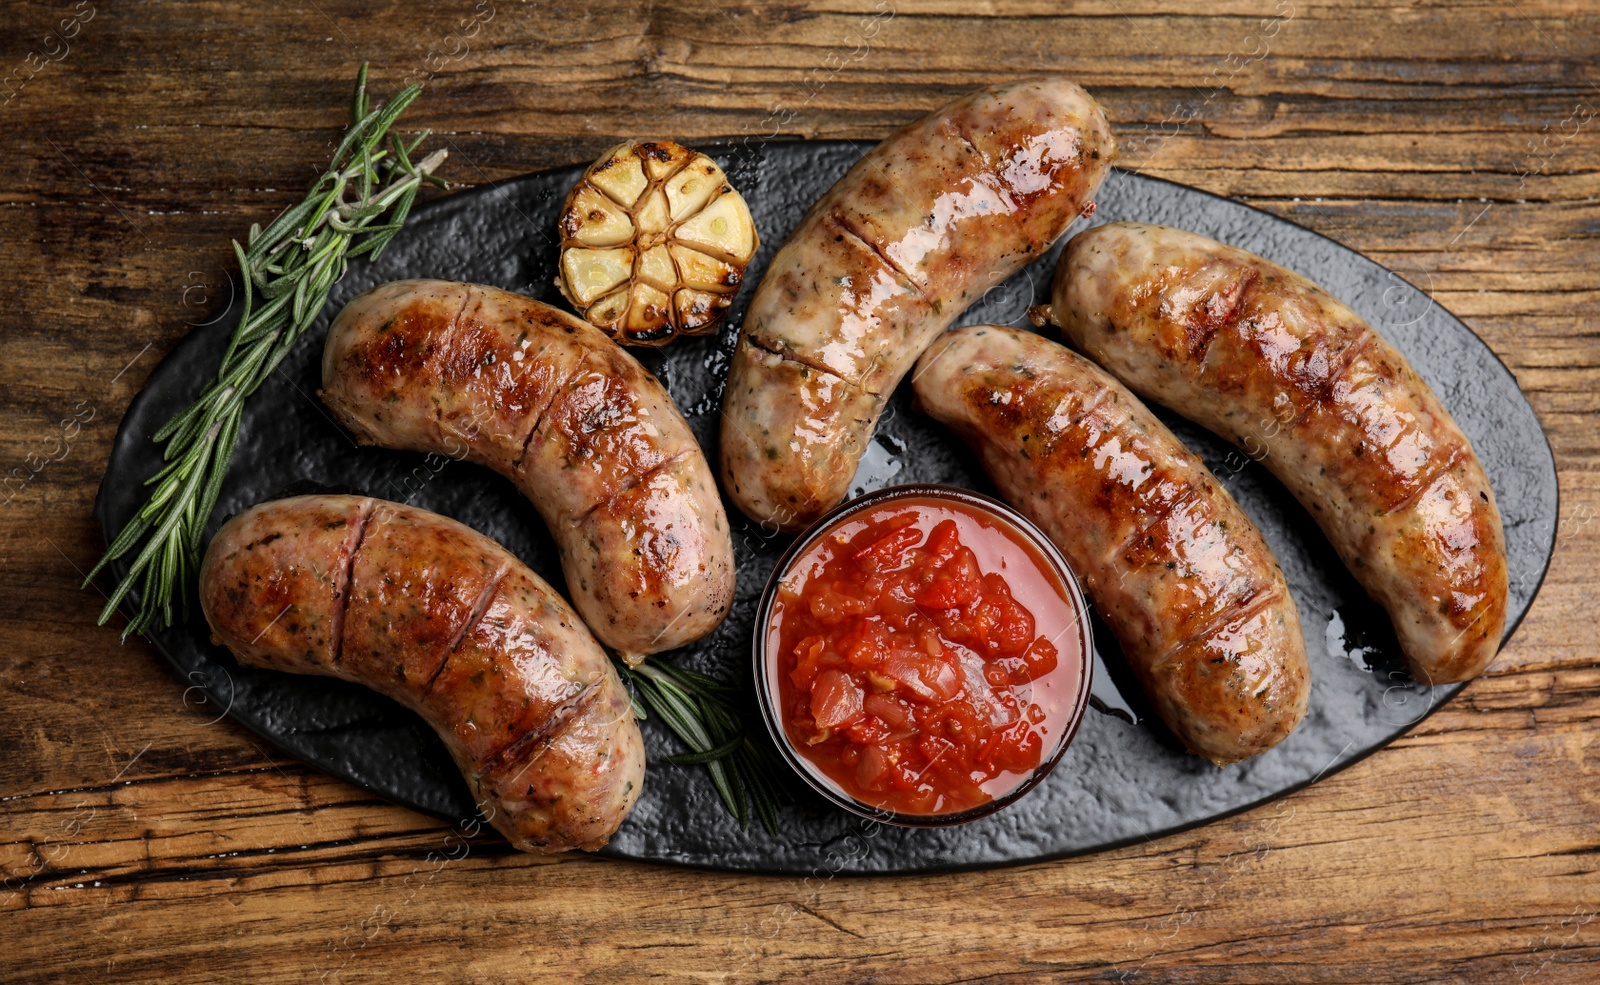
{"x":706,"y":273}
{"x":590,"y":273}
{"x":594,"y":220}
{"x":656,"y":268}
{"x":651,"y":311}
{"x":652,"y":216}
{"x":610,"y":311}
{"x":690,"y":189}
{"x":698,"y":310}
{"x":620,"y":176}
{"x":723,"y":228}
{"x":662,"y":157}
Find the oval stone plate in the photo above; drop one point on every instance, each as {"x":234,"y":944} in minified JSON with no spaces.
{"x":1122,"y":780}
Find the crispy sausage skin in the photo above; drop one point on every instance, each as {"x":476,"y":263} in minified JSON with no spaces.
{"x":587,"y":434}
{"x":450,"y":624}
{"x":1275,"y":364}
{"x":916,"y":231}
{"x":1171,"y":562}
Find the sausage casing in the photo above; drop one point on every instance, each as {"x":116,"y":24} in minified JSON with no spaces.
{"x":1176,"y":568}
{"x":917,"y":230}
{"x":450,"y":624}
{"x":1275,"y":364}
{"x":585,"y":432}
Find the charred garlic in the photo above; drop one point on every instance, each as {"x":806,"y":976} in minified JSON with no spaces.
{"x":654,"y":243}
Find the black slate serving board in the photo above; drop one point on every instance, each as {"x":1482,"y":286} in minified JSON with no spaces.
{"x":1119,"y":782}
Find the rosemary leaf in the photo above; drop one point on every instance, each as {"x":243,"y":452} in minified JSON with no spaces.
{"x":697,"y":758}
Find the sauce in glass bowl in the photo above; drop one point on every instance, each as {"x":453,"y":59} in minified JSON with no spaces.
{"x":922,"y":655}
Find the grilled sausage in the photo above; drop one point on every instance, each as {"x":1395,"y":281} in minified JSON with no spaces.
{"x":583,"y":430}
{"x":1171,"y":562}
{"x":450,"y":624}
{"x":914,"y":233}
{"x":1275,"y":364}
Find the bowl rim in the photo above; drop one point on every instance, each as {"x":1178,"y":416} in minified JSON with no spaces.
{"x":839,"y":514}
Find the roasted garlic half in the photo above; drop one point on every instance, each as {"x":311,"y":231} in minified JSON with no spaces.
{"x":654,"y":243}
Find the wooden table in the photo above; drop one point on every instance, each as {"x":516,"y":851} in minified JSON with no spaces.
{"x":144,"y":839}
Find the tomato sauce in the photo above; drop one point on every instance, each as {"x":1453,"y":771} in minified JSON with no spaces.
{"x":927,"y":655}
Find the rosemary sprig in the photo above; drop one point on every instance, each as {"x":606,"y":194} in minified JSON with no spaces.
{"x":699,"y":711}
{"x":287,"y":270}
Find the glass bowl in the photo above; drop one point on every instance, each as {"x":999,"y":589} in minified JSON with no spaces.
{"x":1050,"y":564}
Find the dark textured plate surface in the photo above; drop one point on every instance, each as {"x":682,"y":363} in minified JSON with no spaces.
{"x":1119,"y":782}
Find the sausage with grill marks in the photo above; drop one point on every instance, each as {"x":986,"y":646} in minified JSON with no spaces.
{"x":919,"y":228}
{"x":585,"y":432}
{"x":1178,"y":571}
{"x":1277,"y":365}
{"x":450,"y":624}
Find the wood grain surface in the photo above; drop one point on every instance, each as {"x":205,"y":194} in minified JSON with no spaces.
{"x":145,"y":839}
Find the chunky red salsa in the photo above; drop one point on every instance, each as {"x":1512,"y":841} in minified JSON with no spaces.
{"x":927,"y":656}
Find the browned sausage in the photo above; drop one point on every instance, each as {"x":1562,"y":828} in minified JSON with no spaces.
{"x":1171,"y":562}
{"x":450,"y":624}
{"x":587,"y":434}
{"x":1272,"y":362}
{"x":913,"y":234}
